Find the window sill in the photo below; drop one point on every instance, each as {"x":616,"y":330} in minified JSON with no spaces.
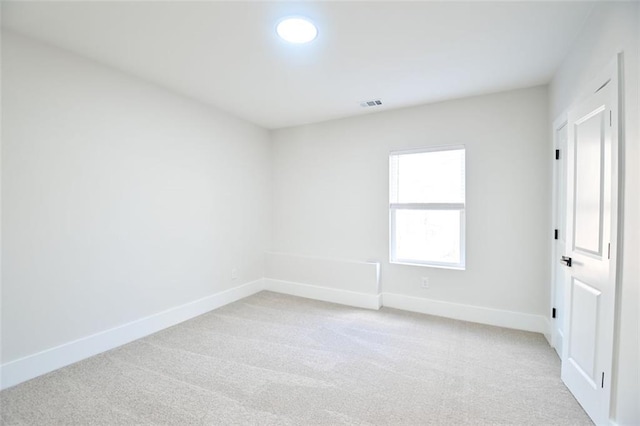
{"x":429,"y":265}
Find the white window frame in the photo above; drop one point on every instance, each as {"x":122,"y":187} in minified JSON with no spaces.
{"x":393,"y":207}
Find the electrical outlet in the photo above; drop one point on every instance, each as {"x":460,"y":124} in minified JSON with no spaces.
{"x":425,"y":282}
{"x":234,"y":274}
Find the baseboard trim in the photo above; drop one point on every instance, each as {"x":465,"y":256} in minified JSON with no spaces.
{"x":489,"y":316}
{"x":29,"y":367}
{"x":325,"y":294}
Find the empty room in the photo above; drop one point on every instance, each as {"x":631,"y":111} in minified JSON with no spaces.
{"x":320,"y":213}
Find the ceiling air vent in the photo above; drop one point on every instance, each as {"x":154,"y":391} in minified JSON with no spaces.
{"x":373,"y":103}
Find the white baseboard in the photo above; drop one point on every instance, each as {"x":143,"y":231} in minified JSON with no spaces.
{"x":23,"y":369}
{"x":497,"y":317}
{"x":31,"y":366}
{"x":326,"y":294}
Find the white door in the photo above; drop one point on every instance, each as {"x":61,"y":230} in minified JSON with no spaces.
{"x":559,"y":242}
{"x":590,"y":249}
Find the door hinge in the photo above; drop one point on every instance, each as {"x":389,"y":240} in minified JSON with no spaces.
{"x":557,"y":154}
{"x":602,"y":384}
{"x":609,"y":251}
{"x":555,"y":234}
{"x":553,"y":312}
{"x":610,"y":117}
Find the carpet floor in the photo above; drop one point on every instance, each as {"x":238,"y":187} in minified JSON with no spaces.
{"x":272,"y":359}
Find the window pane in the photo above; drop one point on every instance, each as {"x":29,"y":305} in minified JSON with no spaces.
{"x":428,"y":177}
{"x":431,"y":236}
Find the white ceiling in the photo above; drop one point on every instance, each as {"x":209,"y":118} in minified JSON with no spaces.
{"x":227,"y":53}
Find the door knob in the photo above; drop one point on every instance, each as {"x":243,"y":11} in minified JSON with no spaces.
{"x":566,"y":260}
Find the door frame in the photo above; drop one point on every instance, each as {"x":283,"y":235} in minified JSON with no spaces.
{"x":618,"y":152}
{"x":556,"y":339}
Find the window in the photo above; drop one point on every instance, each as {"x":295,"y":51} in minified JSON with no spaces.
{"x":426,"y":207}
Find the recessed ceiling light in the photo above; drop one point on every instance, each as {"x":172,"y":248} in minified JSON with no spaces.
{"x":296,"y":30}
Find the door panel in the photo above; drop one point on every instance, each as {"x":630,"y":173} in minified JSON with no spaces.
{"x":591,"y":231}
{"x":584,"y":322}
{"x":589,"y":163}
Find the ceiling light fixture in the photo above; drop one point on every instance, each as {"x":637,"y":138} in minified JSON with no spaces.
{"x":296,"y":30}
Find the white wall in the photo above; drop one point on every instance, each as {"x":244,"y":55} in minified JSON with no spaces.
{"x":331,"y":195}
{"x":120,"y":199}
{"x":611,"y":28}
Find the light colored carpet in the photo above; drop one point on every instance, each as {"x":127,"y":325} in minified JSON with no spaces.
{"x":275,"y":359}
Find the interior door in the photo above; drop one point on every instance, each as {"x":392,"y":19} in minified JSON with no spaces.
{"x":590,"y":249}
{"x":560,"y":212}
